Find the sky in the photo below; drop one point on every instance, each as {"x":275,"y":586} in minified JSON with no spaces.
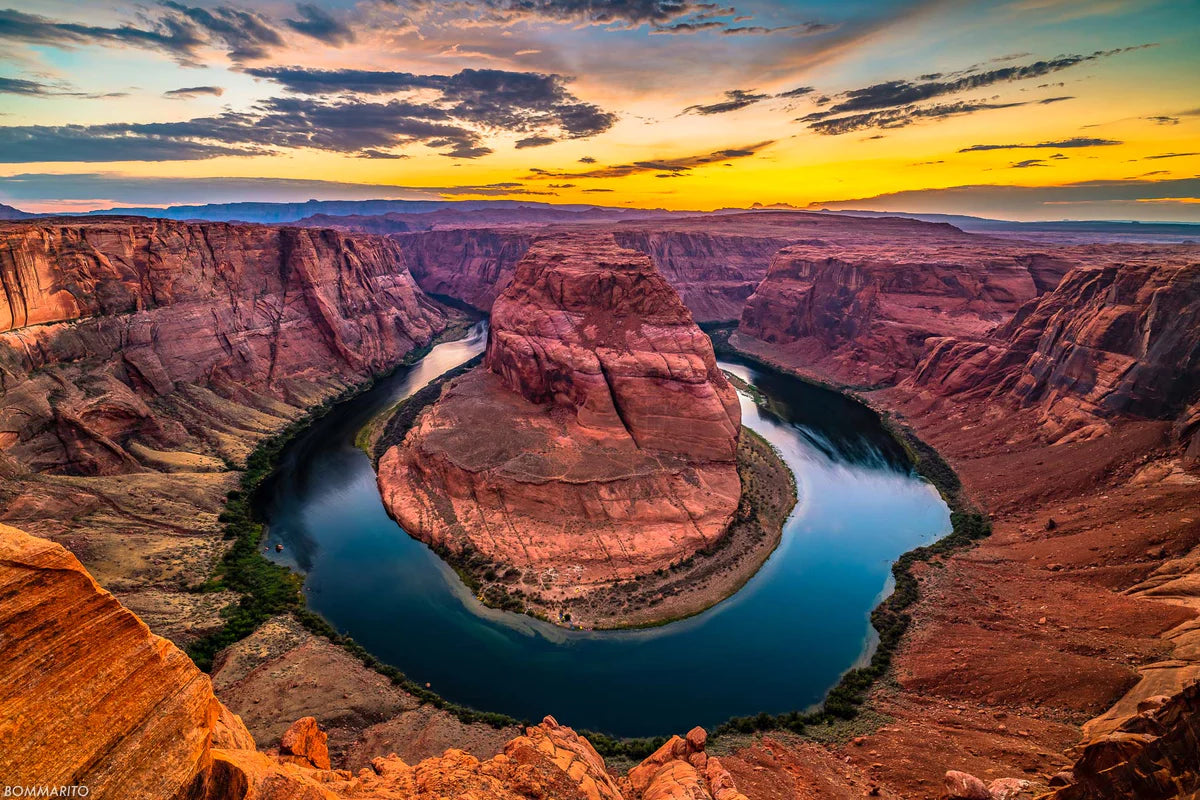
{"x":1014,"y":109}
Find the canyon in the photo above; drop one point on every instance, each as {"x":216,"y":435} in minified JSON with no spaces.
{"x":143,"y":359}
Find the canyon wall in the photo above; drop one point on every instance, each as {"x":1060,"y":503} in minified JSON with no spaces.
{"x":596,"y":443}
{"x":104,"y":319}
{"x":142,"y":359}
{"x":1113,"y":339}
{"x":862,"y":312}
{"x":713,"y":273}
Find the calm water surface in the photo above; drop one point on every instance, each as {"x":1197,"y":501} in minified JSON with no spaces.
{"x":778,"y":644}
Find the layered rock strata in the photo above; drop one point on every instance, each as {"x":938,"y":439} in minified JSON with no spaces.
{"x":596,"y":443}
{"x":863,"y":312}
{"x":142,"y":359}
{"x":90,"y":698}
{"x":1114,"y":339}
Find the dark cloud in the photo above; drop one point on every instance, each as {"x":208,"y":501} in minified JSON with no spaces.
{"x":628,"y":13}
{"x":516,"y":101}
{"x":1047,"y":101}
{"x":561,"y":185}
{"x":597,"y":190}
{"x":665,"y":165}
{"x":587,"y":160}
{"x":320,"y":25}
{"x":804,"y":29}
{"x":19,"y":86}
{"x":535,"y":141}
{"x":685,"y":27}
{"x":799,"y":91}
{"x":1029,"y":162}
{"x":195,"y":91}
{"x":1058,"y":144}
{"x":1164,"y":119}
{"x":1171,"y":155}
{"x":347,"y":126}
{"x":383,"y":154}
{"x":821,"y":122}
{"x":896,"y":103}
{"x":895,"y":93}
{"x":734,"y":99}
{"x":177,"y":29}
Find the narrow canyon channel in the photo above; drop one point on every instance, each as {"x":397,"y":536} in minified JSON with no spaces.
{"x":778,"y":644}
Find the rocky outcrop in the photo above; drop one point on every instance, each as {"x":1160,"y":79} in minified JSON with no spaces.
{"x":1154,"y":755}
{"x":597,"y":442}
{"x":108,"y":321}
{"x":713,"y":273}
{"x":92,"y":699}
{"x":863,"y":313}
{"x":1114,"y":339}
{"x":682,"y":770}
{"x":89,"y":697}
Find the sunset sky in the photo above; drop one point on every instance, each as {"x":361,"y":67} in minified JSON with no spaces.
{"x":1023,"y":109}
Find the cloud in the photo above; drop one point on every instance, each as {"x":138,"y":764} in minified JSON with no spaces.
{"x":320,"y":25}
{"x":535,"y":141}
{"x":179,"y":30}
{"x":665,"y":165}
{"x":805,"y":29}
{"x":621,"y":13}
{"x":587,"y":160}
{"x":346,"y":126}
{"x":1163,"y":119}
{"x":901,"y":92}
{"x":734,"y":100}
{"x":1057,"y":144}
{"x":896,"y":103}
{"x":1101,"y":199}
{"x":195,"y":91}
{"x":19,"y":86}
{"x":686,"y":27}
{"x":1171,"y":155}
{"x":517,"y":101}
{"x":1029,"y":162}
{"x":820,"y":122}
{"x":799,"y":91}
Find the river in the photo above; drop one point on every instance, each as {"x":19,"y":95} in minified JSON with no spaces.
{"x":778,"y":644}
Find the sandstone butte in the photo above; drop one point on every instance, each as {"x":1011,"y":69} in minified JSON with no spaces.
{"x":596,"y":443}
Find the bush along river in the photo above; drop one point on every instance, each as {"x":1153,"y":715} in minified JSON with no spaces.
{"x":776,"y":645}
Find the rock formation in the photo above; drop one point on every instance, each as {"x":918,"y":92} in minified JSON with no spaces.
{"x":103,"y":703}
{"x":472,"y":266}
{"x":597,"y":442}
{"x":105,"y":319}
{"x":862,"y":312}
{"x":1113,"y":339}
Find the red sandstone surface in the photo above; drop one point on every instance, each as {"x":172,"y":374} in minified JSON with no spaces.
{"x":611,"y":433}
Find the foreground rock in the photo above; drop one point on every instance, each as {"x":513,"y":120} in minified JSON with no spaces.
{"x":105,"y":704}
{"x":597,"y":442}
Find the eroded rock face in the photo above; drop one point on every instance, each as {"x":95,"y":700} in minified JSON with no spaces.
{"x":1117,"y":339}
{"x":863,"y":312}
{"x":597,"y":442}
{"x":88,"y":695}
{"x":108,"y":319}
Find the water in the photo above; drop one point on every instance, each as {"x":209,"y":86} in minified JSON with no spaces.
{"x":779,"y":644}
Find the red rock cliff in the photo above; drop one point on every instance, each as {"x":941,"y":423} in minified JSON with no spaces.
{"x":863,"y":312}
{"x":1116,"y":338}
{"x":106,"y":318}
{"x":598,"y":441}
